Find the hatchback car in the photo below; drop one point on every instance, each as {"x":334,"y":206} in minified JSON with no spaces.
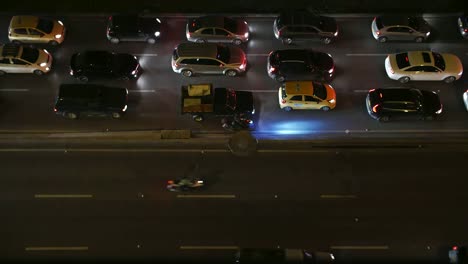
{"x":407,"y":28}
{"x":208,"y":58}
{"x":133,"y":28}
{"x":104,"y":64}
{"x":423,"y":66}
{"x":300,"y":64}
{"x":282,"y":256}
{"x":289,"y":27}
{"x":33,"y":29}
{"x":306,"y":95}
{"x":463,"y":25}
{"x":217,"y":29}
{"x":384,"y":104}
{"x":22,"y":59}
{"x":76,"y":100}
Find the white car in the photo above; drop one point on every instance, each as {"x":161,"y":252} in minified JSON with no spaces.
{"x":423,"y":66}
{"x":465,"y":99}
{"x":24,"y":59}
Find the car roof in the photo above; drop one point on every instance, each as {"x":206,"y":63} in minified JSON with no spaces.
{"x":197,"y":50}
{"x":10,"y":50}
{"x":418,"y":58}
{"x":293,"y":54}
{"x":24,"y":21}
{"x":299,"y":18}
{"x":299,"y":87}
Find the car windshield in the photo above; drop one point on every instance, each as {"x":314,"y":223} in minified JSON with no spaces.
{"x":402,"y":60}
{"x":223,"y":54}
{"x":320,"y":91}
{"x":438,"y":61}
{"x":418,"y":97}
{"x":30,"y":54}
{"x":230,"y":25}
{"x":45,"y":25}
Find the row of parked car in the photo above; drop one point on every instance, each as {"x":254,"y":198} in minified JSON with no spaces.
{"x":295,"y":68}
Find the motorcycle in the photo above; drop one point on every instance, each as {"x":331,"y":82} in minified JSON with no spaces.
{"x":236,"y":123}
{"x":184,"y":185}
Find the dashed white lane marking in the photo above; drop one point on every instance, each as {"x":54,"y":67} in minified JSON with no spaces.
{"x":112,"y":150}
{"x":56,"y":248}
{"x":366,"y":54}
{"x":39,"y":196}
{"x":360,"y":91}
{"x":223,"y":196}
{"x":146,"y":55}
{"x":13,"y":90}
{"x":337,"y":196}
{"x":208,"y":247}
{"x":361,"y":247}
{"x":141,"y":91}
{"x":257,"y":54}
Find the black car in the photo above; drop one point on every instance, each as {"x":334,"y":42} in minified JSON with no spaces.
{"x":300,"y":64}
{"x":303,"y":25}
{"x":75,"y":100}
{"x":389,"y":103}
{"x":133,"y":28}
{"x":104,"y":64}
{"x":463,"y":25}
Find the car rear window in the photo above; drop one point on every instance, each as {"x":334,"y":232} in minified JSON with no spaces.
{"x":45,"y":25}
{"x":378,"y":22}
{"x":439,"y":61}
{"x":402,"y":60}
{"x":320,"y":91}
{"x":30,"y":54}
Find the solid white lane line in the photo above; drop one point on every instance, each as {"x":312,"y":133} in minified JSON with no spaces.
{"x":366,"y":54}
{"x":114,"y":150}
{"x":361,"y":247}
{"x":63,"y":196}
{"x":262,"y":91}
{"x":55,"y":248}
{"x":208,"y":247}
{"x":257,"y":54}
{"x":224,"y":196}
{"x":141,"y":91}
{"x":337,"y":196}
{"x":13,"y":90}
{"x":146,"y":55}
{"x":360,"y":91}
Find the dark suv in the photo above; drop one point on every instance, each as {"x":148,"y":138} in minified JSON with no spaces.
{"x":383,"y":104}
{"x":303,"y":25}
{"x":133,"y":28}
{"x":300,"y":64}
{"x":75,"y":100}
{"x":104,"y":64}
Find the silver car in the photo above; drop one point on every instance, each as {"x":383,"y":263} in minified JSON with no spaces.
{"x":217,"y":29}
{"x":208,"y":58}
{"x":403,"y":28}
{"x":24,"y":59}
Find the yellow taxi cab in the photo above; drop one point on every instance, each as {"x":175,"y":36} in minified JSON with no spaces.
{"x":33,"y":29}
{"x":306,"y":95}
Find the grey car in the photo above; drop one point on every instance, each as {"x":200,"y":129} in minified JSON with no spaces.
{"x":208,"y":58}
{"x":400,"y":28}
{"x":217,"y":29}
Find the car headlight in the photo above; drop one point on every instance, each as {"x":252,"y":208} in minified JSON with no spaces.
{"x":124,"y":109}
{"x":253,"y":111}
{"x":159,"y":21}
{"x":58,"y":36}
{"x":134,"y":72}
{"x":46,"y":52}
{"x":71,"y":72}
{"x":246,"y":35}
{"x":47,"y":69}
{"x":157,"y":33}
{"x":427,"y":34}
{"x":332,"y":101}
{"x":335,"y":34}
{"x":439,"y":111}
{"x":43,"y":64}
{"x":331,"y":70}
{"x":60,"y":22}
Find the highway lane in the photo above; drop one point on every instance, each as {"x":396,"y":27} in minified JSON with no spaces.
{"x":154,"y":97}
{"x":360,"y":204}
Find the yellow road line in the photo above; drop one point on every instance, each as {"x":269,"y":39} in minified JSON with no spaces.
{"x":208,"y":247}
{"x":226,"y":196}
{"x":337,"y":196}
{"x":56,"y":248}
{"x":361,"y":247}
{"x":63,"y":196}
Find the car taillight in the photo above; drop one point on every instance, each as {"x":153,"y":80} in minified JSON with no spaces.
{"x":466,"y":30}
{"x":454,"y":248}
{"x":378,"y":32}
{"x":374,"y":109}
{"x":55,"y":109}
{"x":272,"y":69}
{"x":392,"y":71}
{"x":283,"y":101}
{"x":371,"y":90}
{"x":170,"y":182}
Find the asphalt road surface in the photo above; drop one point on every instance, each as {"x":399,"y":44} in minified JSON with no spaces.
{"x":27,"y":100}
{"x":361,"y":205}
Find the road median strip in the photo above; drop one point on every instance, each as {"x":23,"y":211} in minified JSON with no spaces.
{"x":79,"y":248}
{"x":222,"y":196}
{"x":39,"y":196}
{"x":361,"y":247}
{"x":209,"y":247}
